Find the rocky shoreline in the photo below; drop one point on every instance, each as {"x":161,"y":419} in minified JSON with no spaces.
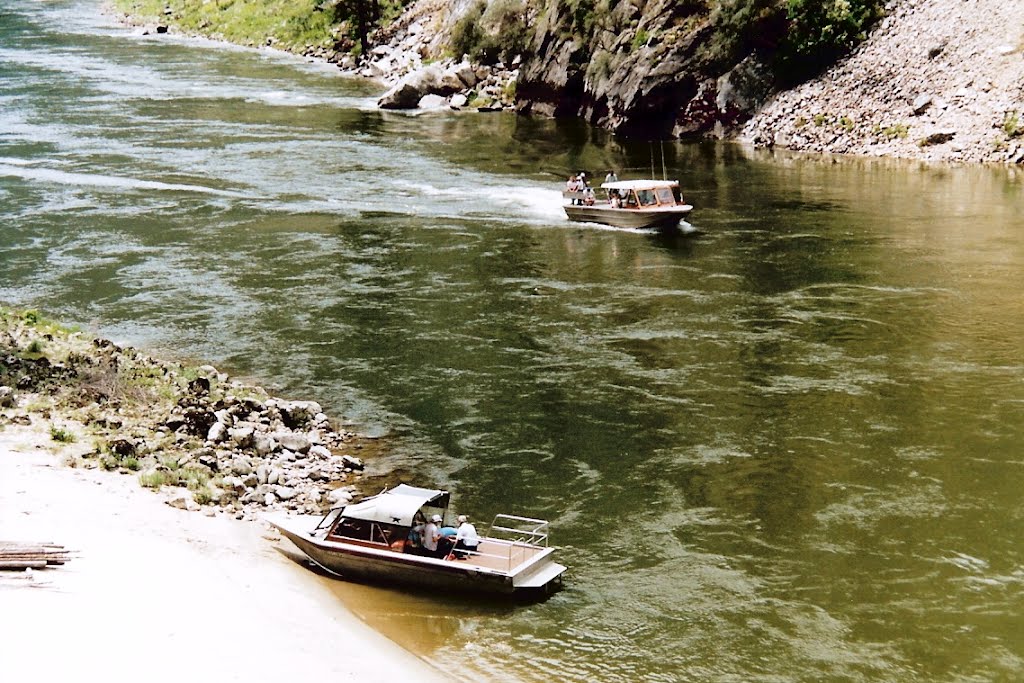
{"x":200,"y":439}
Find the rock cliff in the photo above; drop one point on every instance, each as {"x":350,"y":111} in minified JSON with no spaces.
{"x":649,"y":69}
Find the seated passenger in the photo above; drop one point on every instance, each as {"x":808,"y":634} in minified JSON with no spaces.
{"x":431,"y":536}
{"x":465,"y":539}
{"x":588,"y":197}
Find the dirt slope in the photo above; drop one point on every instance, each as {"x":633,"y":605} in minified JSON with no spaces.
{"x":936,"y":80}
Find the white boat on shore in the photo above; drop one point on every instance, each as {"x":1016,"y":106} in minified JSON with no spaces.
{"x":375,"y":540}
{"x":629,"y":204}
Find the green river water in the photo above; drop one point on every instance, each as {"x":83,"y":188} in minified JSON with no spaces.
{"x":788,"y":449}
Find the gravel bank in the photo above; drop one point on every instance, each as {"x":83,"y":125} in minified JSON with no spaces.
{"x":938,"y":80}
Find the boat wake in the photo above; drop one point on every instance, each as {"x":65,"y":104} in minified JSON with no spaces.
{"x":19,"y":169}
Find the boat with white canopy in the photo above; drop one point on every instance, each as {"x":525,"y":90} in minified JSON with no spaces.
{"x":376,"y":539}
{"x":629,"y":204}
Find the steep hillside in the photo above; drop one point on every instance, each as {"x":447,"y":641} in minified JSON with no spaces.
{"x":937,"y":79}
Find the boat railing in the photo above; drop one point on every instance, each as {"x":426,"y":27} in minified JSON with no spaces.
{"x":526,"y":530}
{"x":519,"y":538}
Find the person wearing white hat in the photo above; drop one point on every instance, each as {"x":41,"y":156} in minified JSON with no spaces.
{"x":431,"y":533}
{"x":465,"y":538}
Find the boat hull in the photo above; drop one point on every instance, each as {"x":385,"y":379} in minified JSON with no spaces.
{"x":628,"y":218}
{"x":383,"y":566}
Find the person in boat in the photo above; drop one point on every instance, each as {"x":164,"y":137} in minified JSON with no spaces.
{"x":611,"y":177}
{"x":431,"y":536}
{"x":588,"y":197}
{"x":466,"y":538}
{"x":414,"y":543}
{"x":574,"y":184}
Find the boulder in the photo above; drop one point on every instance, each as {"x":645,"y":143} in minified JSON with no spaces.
{"x":352,"y":462}
{"x":265,"y":444}
{"x":243,"y":437}
{"x":921,"y":104}
{"x":432,"y":102}
{"x":465,"y":73}
{"x":297,"y":414}
{"x":285,"y":492}
{"x":240,"y":467}
{"x":293,"y":441}
{"x":320,"y":452}
{"x":429,"y":80}
{"x":938,"y":137}
{"x":233,"y":484}
{"x":183,"y":500}
{"x":7,"y":397}
{"x":339,"y":497}
{"x":217,"y":432}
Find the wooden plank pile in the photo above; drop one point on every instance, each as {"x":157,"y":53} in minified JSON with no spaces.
{"x":17,"y":555}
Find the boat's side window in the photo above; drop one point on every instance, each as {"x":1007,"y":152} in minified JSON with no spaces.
{"x":352,"y":528}
{"x":646,"y":197}
{"x":665,"y":196}
{"x":380,"y":535}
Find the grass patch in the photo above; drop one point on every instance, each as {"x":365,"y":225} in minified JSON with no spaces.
{"x":155,"y":479}
{"x":61,"y":435}
{"x":897,"y":131}
{"x":1012,"y":125}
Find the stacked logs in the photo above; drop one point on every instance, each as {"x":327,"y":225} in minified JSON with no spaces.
{"x":16,"y":555}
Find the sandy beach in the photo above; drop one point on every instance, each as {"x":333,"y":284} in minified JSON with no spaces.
{"x":159,"y":594}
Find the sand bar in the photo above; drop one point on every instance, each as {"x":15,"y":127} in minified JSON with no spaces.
{"x":159,"y":594}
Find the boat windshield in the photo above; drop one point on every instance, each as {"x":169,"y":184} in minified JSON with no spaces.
{"x":665,"y":196}
{"x":646,"y":197}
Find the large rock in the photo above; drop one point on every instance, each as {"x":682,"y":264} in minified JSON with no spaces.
{"x":293,"y":441}
{"x":183,"y":500}
{"x":218,"y":432}
{"x":432,"y":102}
{"x":243,"y":437}
{"x":429,"y":80}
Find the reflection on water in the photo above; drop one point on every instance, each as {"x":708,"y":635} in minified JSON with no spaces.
{"x":786,"y":449}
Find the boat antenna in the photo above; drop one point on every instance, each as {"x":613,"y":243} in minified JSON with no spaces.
{"x":664,"y":175}
{"x":652,"y":159}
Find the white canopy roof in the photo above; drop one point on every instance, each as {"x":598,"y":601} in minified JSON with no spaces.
{"x":397,"y":505}
{"x":639,"y":184}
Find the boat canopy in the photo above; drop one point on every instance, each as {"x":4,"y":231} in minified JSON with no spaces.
{"x":397,"y":505}
{"x":626,"y":185}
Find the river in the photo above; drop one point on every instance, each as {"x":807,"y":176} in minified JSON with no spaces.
{"x":786,"y":449}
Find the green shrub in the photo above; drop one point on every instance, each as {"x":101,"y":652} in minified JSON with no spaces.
{"x":491,"y":33}
{"x":202,"y":495}
{"x":467,"y":34}
{"x":61,"y":435}
{"x":1012,"y":125}
{"x":35,"y":346}
{"x":821,"y":31}
{"x":639,"y":40}
{"x":154,"y":479}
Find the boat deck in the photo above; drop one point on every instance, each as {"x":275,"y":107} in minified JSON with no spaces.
{"x":501,"y":555}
